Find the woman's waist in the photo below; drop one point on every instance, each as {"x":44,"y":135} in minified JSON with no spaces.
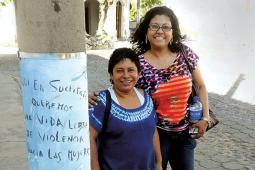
{"x":171,"y":104}
{"x":175,"y":125}
{"x":171,"y":114}
{"x":173,"y":132}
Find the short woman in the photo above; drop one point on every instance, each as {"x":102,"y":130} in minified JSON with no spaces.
{"x":130,"y":140}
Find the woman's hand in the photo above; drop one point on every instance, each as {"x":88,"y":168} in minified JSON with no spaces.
{"x":93,"y":98}
{"x":201,"y":125}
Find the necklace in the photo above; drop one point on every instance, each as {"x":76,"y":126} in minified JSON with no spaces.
{"x":160,"y":61}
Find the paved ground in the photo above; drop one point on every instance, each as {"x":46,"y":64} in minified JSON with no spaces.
{"x":231,"y":145}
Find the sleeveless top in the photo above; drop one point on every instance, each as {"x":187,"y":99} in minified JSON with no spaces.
{"x":170,"y":89}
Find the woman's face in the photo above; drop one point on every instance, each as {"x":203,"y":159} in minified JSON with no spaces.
{"x":125,"y":75}
{"x":160,"y":31}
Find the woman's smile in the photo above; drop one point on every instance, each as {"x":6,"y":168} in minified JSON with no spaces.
{"x":126,"y":82}
{"x":125,"y":75}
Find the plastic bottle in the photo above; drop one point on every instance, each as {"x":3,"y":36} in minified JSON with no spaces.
{"x":195,"y":113}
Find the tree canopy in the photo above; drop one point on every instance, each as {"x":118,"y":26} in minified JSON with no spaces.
{"x":3,"y":3}
{"x":145,"y":6}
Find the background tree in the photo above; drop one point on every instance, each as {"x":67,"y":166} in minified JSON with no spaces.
{"x":145,"y":6}
{"x":3,"y":3}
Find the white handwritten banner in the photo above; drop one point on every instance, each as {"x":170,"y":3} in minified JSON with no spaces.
{"x":54,"y":93}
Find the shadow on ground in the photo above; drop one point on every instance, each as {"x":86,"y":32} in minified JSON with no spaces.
{"x":231,"y":144}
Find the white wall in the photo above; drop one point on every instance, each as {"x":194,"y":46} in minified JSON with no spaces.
{"x":222,"y":33}
{"x":110,"y":21}
{"x":7,"y":26}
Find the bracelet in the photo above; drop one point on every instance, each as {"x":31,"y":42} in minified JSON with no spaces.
{"x":205,"y":119}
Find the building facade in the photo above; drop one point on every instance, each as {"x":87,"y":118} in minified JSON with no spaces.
{"x":111,"y":17}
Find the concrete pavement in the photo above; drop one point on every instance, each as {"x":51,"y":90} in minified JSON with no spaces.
{"x":231,"y":145}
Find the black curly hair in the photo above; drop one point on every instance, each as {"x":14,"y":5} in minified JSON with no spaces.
{"x":138,"y":38}
{"x":120,"y":54}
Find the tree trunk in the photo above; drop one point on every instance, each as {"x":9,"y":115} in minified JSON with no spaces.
{"x":50,"y":25}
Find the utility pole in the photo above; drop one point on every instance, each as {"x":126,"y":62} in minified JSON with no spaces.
{"x":53,"y":75}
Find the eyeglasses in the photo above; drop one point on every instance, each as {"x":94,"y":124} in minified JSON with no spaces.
{"x":156,"y":27}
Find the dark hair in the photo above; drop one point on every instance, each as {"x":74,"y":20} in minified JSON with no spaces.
{"x":121,"y":54}
{"x":138,"y":38}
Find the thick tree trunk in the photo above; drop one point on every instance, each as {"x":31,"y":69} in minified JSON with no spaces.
{"x":50,"y":25}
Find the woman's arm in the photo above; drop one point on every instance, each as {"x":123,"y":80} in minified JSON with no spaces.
{"x":157,"y":150}
{"x":93,"y":149}
{"x":203,"y":95}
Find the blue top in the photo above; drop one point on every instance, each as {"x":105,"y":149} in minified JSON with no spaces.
{"x":128,"y":143}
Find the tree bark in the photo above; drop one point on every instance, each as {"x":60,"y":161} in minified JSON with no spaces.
{"x":50,"y":25}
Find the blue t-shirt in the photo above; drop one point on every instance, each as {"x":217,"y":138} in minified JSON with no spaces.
{"x":128,"y":143}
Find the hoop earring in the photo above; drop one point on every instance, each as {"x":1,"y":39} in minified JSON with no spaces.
{"x":146,"y":39}
{"x":171,"y":41}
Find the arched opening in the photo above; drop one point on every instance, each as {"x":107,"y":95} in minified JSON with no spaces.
{"x":118,"y":19}
{"x":86,"y":17}
{"x":91,"y":16}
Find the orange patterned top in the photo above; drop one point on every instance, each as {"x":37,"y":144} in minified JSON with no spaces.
{"x":170,"y":89}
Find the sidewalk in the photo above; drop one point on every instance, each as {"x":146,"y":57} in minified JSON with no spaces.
{"x":231,"y":145}
{"x":12,"y":139}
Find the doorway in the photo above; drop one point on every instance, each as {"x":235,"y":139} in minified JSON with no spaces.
{"x":91,"y":16}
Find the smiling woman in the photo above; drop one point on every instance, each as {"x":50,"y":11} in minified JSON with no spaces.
{"x":159,"y":33}
{"x":124,"y":73}
{"x":130,"y":140}
{"x":124,"y":76}
{"x":164,"y":74}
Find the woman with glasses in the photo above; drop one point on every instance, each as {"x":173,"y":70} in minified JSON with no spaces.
{"x":165,"y":74}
